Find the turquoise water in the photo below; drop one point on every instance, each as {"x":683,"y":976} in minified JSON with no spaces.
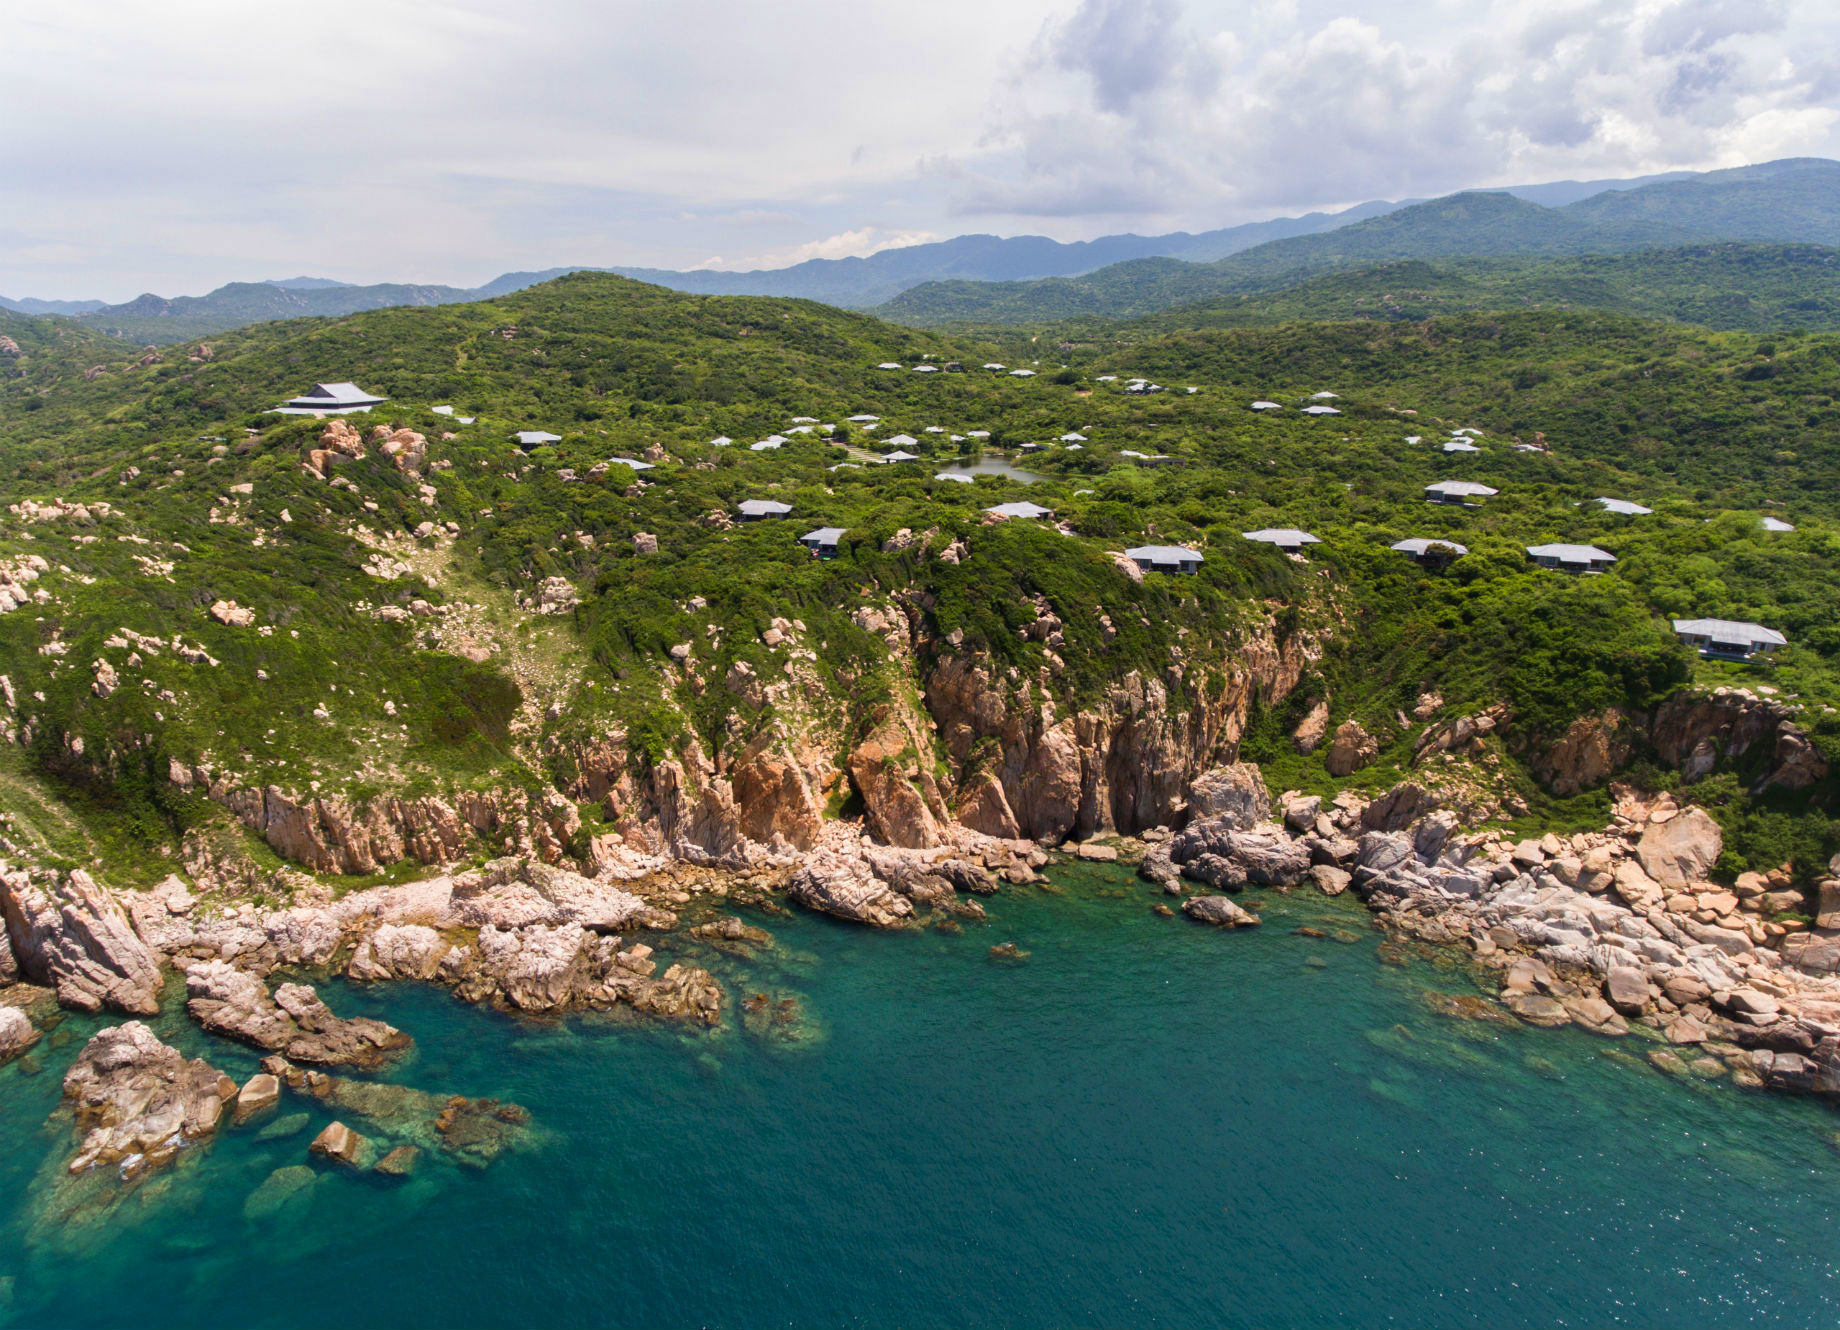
{"x":1144,"y":1123}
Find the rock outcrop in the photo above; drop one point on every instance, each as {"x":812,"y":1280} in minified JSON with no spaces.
{"x":1219,"y":911}
{"x":140,"y":1101}
{"x":69,"y":933}
{"x":1350,"y":749}
{"x":16,"y":1033}
{"x":294,"y":1022}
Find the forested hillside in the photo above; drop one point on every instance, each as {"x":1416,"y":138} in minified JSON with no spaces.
{"x":430,"y":609}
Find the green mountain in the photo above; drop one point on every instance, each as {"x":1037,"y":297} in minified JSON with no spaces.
{"x":233,"y":613}
{"x":1785,"y":201}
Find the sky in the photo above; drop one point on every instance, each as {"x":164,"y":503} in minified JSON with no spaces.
{"x":174,"y":147}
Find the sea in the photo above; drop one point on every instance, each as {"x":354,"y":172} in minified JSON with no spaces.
{"x":1134,"y":1120}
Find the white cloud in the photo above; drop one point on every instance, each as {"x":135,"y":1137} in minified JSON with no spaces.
{"x":177,"y":146}
{"x":1153,"y":111}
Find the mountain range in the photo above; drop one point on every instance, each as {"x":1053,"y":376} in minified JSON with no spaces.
{"x":982,"y":278}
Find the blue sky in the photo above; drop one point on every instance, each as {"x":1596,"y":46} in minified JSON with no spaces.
{"x":171,"y":148}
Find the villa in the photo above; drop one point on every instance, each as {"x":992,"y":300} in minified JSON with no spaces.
{"x":1165,"y":558}
{"x":1287,"y":538}
{"x":1433,"y":552}
{"x":536,"y":438}
{"x":1725,"y":639}
{"x":1457,"y":491}
{"x":823,"y":542}
{"x":1022,"y":508}
{"x":1623,"y":506}
{"x":755,"y":510}
{"x":1571,"y":558}
{"x":329,"y":399}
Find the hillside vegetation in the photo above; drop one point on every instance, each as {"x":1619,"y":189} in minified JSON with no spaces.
{"x":479,"y":618}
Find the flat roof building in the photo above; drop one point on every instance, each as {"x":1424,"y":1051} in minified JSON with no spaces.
{"x":1287,"y":538}
{"x":1571,"y":558}
{"x":1729,"y":639}
{"x":1165,"y":558}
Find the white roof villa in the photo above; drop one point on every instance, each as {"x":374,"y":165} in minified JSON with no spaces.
{"x":1321,"y":411}
{"x":978,"y":434}
{"x":901,"y":440}
{"x":1023,"y":508}
{"x":889,"y":364}
{"x":1571,"y":558}
{"x":900,"y":455}
{"x":1456,"y":491}
{"x":823,"y":540}
{"x":766,"y":445}
{"x":1287,"y":538}
{"x":634,"y":463}
{"x":1775,"y":524}
{"x":442,"y":410}
{"x":864,"y":419}
{"x":1461,"y":446}
{"x":952,"y":475}
{"x":1420,"y":546}
{"x":1022,"y":374}
{"x":720,"y":441}
{"x":994,"y":366}
{"x":754,"y":509}
{"x":536,"y":438}
{"x":1726,"y":637}
{"x":804,"y":420}
{"x":1623,"y":506}
{"x":329,"y":399}
{"x":1165,"y":558}
{"x":926,"y":369}
{"x":1326,"y":397}
{"x":935,"y":429}
{"x":1073,"y":436}
{"x":1268,"y":406}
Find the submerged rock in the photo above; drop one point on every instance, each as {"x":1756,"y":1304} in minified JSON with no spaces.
{"x":284,"y":1187}
{"x":342,"y":1145}
{"x":140,"y":1099}
{"x":400,"y":1162}
{"x":17,"y":1034}
{"x":1219,"y":911}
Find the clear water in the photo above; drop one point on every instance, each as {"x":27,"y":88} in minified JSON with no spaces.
{"x":1145,"y":1123}
{"x":992,"y":466}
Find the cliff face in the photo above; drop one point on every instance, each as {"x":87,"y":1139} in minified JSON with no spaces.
{"x":1123,"y":765}
{"x":1694,"y":733}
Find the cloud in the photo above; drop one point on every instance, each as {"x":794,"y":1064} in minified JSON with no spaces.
{"x":1148,"y":111}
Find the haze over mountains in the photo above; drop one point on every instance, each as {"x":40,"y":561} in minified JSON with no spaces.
{"x":1022,"y":278}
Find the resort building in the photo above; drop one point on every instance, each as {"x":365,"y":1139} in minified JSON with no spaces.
{"x":329,"y":399}
{"x":823,"y":541}
{"x":1165,"y":558}
{"x":1571,"y":558}
{"x":1623,"y":506}
{"x":536,"y":438}
{"x":754,"y":510}
{"x":1287,"y":538}
{"x":1725,"y":639}
{"x":1022,"y":508}
{"x":1428,"y":551}
{"x":1458,"y":491}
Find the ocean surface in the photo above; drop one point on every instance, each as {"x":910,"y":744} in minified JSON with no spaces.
{"x":1143,"y":1123}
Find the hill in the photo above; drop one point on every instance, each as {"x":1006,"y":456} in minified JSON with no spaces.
{"x":571,"y":648}
{"x":1785,"y":201}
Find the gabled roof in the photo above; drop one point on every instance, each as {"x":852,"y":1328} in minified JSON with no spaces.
{"x":1073,"y":436}
{"x":763,"y":508}
{"x":1775,"y":524}
{"x":1731,"y":630}
{"x":1022,"y":374}
{"x":1474,"y":487}
{"x":901,"y":455}
{"x":804,"y":420}
{"x":1164,"y":554}
{"x":935,"y":429}
{"x":1321,"y":411}
{"x":1571,"y":553}
{"x":336,"y":394}
{"x":766,"y":445}
{"x":1415,"y":438}
{"x":824,"y":535}
{"x":1623,"y":506}
{"x":994,"y":365}
{"x":720,"y":441}
{"x":1461,"y":446}
{"x":889,"y":364}
{"x":1420,"y":544}
{"x":900,"y":440}
{"x":1267,"y":406}
{"x":926,"y":369}
{"x":531,"y":438}
{"x":1023,"y":508}
{"x":1282,"y":535}
{"x":1106,"y":378}
{"x":857,"y":420}
{"x":799,"y":429}
{"x":1325,"y":396}
{"x":978,"y":434}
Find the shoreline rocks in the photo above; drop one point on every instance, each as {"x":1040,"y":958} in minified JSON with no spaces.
{"x":294,"y":1022}
{"x":69,"y":933}
{"x":140,"y":1101}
